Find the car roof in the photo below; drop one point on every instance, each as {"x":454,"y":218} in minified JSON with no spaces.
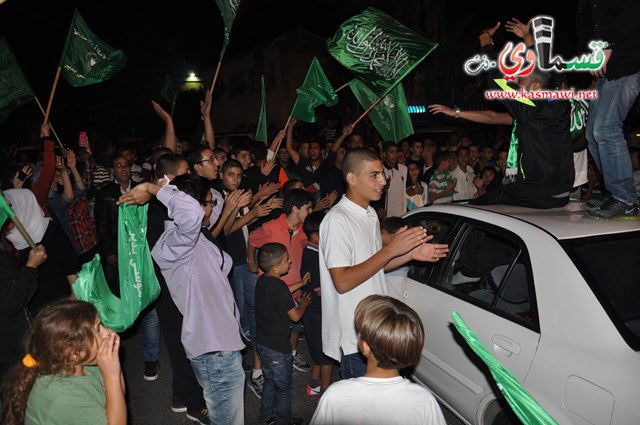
{"x":568,"y":222}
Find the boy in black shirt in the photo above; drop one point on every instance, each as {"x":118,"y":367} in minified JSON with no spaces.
{"x":275,"y":310}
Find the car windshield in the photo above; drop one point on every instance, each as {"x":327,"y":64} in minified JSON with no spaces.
{"x":610,"y":266}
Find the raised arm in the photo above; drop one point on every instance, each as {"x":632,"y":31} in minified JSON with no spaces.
{"x":346,"y":131}
{"x":482,"y":117}
{"x":521,"y":30}
{"x":293,"y":154}
{"x":205,"y":113}
{"x":170,"y":140}
{"x":72,"y":163}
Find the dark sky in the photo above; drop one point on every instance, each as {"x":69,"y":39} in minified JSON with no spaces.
{"x":176,"y":37}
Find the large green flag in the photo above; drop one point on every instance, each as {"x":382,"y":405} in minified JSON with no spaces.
{"x":138,"y":283}
{"x":378,"y":49}
{"x":315,"y":91}
{"x":228,"y":8}
{"x":86,"y":59}
{"x":522,"y":403}
{"x":261,"y":129}
{"x":391,"y":116}
{"x":14,"y":88}
{"x":5,"y":210}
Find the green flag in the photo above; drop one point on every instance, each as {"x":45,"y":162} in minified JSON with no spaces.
{"x":315,"y":91}
{"x":169,"y":91}
{"x":5,"y":210}
{"x":228,"y":8}
{"x":261,"y":129}
{"x":523,"y":404}
{"x":86,"y":59}
{"x":391,"y":116}
{"x":138,"y":283}
{"x":378,"y":49}
{"x":14,"y":88}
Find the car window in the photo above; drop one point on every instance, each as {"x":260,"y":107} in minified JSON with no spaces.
{"x":487,"y":267}
{"x":610,"y":266}
{"x":441,"y":229}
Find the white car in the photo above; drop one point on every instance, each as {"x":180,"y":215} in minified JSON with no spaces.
{"x":554,"y":296}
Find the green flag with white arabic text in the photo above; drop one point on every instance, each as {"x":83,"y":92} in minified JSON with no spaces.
{"x":86,"y":59}
{"x":14,"y":88}
{"x":315,"y":91}
{"x":391,"y":116}
{"x":138,"y":283}
{"x":522,"y":403}
{"x":378,"y":49}
{"x":228,"y":8}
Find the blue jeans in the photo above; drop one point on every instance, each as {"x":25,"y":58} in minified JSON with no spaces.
{"x":352,"y":365}
{"x":277,"y":369}
{"x":607,"y":144}
{"x":243,"y":285}
{"x":221,"y":377}
{"x":151,"y":336}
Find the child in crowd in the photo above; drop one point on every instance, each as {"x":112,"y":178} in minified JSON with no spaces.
{"x":391,"y":337}
{"x":58,"y":381}
{"x":287,"y":230}
{"x":275,"y":310}
{"x":442,"y":185}
{"x":417,"y":191}
{"x":312,"y":320}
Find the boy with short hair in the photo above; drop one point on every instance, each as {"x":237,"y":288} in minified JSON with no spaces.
{"x":391,"y":337}
{"x":287,"y":230}
{"x":275,"y":310}
{"x":322,"y":365}
{"x":442,"y":186}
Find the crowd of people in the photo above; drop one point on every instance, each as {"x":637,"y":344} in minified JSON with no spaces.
{"x":254,"y":244}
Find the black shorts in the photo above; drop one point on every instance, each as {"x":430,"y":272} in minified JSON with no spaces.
{"x":312,"y":321}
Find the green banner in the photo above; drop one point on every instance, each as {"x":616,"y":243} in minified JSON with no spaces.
{"x":87,"y":59}
{"x":138,"y":283}
{"x":391,"y":116}
{"x":522,"y":403}
{"x":228,"y":8}
{"x":169,"y":91}
{"x":378,"y":49}
{"x":315,"y":91}
{"x":14,"y":88}
{"x":5,"y":210}
{"x":261,"y":129}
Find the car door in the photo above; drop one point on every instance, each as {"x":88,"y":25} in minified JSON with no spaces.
{"x":488,"y":280}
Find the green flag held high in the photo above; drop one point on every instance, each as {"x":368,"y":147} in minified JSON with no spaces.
{"x":261,"y":129}
{"x":228,"y":8}
{"x":86,"y":59}
{"x":378,"y":49}
{"x":5,"y":210}
{"x":522,"y":403}
{"x":315,"y":91}
{"x":14,"y":88}
{"x":391,"y":116}
{"x":138,"y":283}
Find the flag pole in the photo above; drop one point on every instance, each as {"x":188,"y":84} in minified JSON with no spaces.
{"x":285,"y":129}
{"x":373,"y":105}
{"x":21,"y":229}
{"x":53,"y":90}
{"x":341,"y":87}
{"x":215,"y":76}
{"x":52,"y":129}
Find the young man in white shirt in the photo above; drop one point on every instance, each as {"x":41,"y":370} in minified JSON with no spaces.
{"x":353,"y":260}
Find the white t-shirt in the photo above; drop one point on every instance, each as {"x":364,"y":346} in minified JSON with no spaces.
{"x":376,"y":401}
{"x":349,"y":235}
{"x":465,"y":189}
{"x":395,"y":198}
